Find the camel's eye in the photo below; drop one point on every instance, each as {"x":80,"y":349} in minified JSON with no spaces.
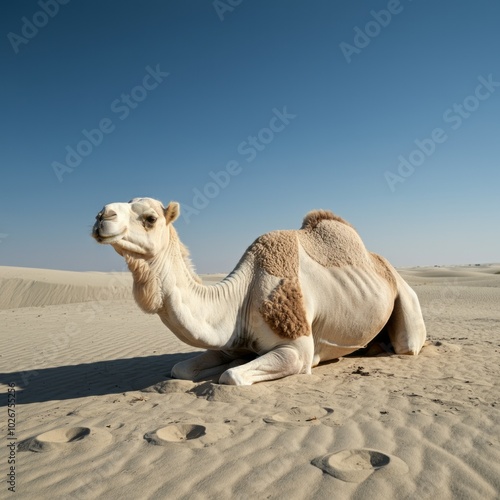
{"x":151,"y":219}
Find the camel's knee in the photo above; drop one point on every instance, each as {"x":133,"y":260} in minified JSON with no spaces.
{"x":408,"y":343}
{"x":183,"y":371}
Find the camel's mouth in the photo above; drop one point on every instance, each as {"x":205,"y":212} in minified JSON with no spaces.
{"x":107,"y":238}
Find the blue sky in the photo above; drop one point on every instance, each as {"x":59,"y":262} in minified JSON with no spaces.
{"x":308,"y":104}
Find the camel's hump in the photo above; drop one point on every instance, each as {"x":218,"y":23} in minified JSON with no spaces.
{"x":313,"y":218}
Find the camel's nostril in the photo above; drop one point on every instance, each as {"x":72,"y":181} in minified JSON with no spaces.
{"x":107,"y":215}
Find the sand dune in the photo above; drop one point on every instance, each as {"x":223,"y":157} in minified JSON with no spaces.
{"x":97,"y":415}
{"x":24,"y":287}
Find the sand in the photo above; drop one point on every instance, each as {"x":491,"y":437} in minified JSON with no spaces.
{"x":97,"y":416}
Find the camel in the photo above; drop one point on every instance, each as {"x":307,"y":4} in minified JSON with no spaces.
{"x":295,"y":299}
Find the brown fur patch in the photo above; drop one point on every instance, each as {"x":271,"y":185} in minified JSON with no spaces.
{"x":284,"y":311}
{"x":313,"y":218}
{"x":146,"y":290}
{"x":333,"y":243}
{"x":384,"y":269}
{"x":277,"y":253}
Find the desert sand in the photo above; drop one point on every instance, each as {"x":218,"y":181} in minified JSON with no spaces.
{"x":97,"y":416}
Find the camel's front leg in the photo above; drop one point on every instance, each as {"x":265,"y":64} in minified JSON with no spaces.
{"x":282,"y":361}
{"x":204,"y":366}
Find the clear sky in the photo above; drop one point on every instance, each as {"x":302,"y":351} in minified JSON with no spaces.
{"x":385,"y":112}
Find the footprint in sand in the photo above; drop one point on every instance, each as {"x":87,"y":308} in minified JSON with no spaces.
{"x":66,"y":438}
{"x":304,"y":415}
{"x":194,"y":435}
{"x":354,"y":466}
{"x":175,"y":433}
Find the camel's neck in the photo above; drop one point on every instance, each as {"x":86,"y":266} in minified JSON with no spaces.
{"x":202,"y":316}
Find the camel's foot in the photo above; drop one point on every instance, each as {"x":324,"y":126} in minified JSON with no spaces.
{"x":206,"y":365}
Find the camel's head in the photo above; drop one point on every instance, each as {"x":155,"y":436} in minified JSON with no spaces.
{"x":138,"y":227}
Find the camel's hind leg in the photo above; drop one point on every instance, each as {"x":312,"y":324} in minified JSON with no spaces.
{"x":406,"y":325}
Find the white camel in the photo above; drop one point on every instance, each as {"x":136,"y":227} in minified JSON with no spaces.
{"x":295,"y":299}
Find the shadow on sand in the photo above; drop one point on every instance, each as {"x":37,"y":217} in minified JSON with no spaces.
{"x":90,"y":379}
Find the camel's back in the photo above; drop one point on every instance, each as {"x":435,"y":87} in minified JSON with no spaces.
{"x":326,"y":238}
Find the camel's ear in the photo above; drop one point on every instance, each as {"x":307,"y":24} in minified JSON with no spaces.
{"x":172,"y":211}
